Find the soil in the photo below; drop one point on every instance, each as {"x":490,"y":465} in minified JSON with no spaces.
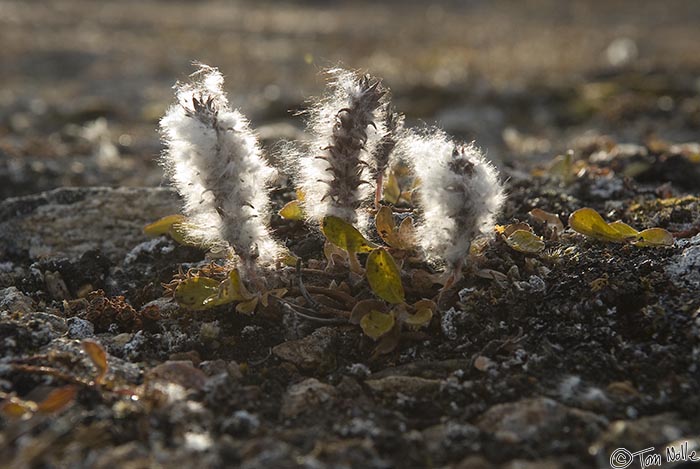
{"x":552,"y":359}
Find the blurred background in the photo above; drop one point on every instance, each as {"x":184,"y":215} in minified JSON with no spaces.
{"x":84,"y":82}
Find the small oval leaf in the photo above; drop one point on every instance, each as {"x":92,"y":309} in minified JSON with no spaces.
{"x":423,"y":315}
{"x":384,"y":221}
{"x":399,"y":238}
{"x":292,"y":211}
{"x":163,"y":225}
{"x":624,"y":229}
{"x":384,"y":277}
{"x":654,"y":237}
{"x":197,"y":293}
{"x":363,"y":308}
{"x":589,"y":222}
{"x":98,"y":356}
{"x":525,"y":241}
{"x":345,"y":236}
{"x":551,"y":219}
{"x":376,"y":324}
{"x":392,"y":191}
{"x":233,"y":289}
{"x":512,"y":228}
{"x":58,"y":399}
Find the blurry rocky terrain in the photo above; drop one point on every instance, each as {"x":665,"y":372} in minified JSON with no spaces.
{"x":557,"y":361}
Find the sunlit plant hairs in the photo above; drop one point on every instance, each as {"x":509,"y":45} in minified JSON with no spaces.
{"x":337,"y":170}
{"x":215,"y":162}
{"x":459,"y":195}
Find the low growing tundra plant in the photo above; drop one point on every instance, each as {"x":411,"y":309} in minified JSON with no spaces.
{"x":214,"y":161}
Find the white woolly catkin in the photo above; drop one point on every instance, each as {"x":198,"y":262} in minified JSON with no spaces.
{"x":215,"y":163}
{"x":335,"y":172}
{"x":459,"y":194}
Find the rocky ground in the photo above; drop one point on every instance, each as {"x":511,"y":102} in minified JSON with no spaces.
{"x":545,"y":360}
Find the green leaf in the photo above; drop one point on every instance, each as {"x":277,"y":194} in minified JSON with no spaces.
{"x":376,"y":324}
{"x":525,"y":241}
{"x":384,"y":277}
{"x":345,"y":236}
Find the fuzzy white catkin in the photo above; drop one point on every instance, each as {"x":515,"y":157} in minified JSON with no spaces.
{"x":214,"y":161}
{"x":336,"y":178}
{"x":459,"y":194}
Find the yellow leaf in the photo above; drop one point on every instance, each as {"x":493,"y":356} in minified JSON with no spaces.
{"x":384,"y":221}
{"x":181,"y":235}
{"x":624,"y":229}
{"x":162,"y":226}
{"x":233,"y":289}
{"x":654,"y":237}
{"x":376,"y":324}
{"x":198,"y":293}
{"x":345,"y":236}
{"x":176,"y":227}
{"x":423,"y":315}
{"x":98,"y":356}
{"x":292,"y":211}
{"x":525,"y":241}
{"x":364,"y":307}
{"x":384,"y":277}
{"x":588,"y":222}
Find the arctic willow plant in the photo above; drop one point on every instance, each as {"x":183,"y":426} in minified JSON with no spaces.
{"x":459,"y":195}
{"x":346,"y":152}
{"x":215,"y":163}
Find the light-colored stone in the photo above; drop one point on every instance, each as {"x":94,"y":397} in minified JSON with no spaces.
{"x":14,"y":301}
{"x":313,"y":353}
{"x":412,"y":386}
{"x":310,"y":394}
{"x":531,"y":419}
{"x":684,"y":267}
